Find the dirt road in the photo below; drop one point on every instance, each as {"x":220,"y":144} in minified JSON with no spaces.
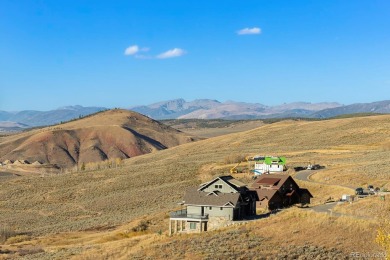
{"x":328,"y":207}
{"x":306,"y":174}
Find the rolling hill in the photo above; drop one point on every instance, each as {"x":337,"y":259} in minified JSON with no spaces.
{"x":91,"y":214}
{"x":106,"y":135}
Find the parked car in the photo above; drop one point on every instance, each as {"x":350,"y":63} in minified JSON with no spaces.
{"x":359,"y":191}
{"x":314,"y":167}
{"x":371,"y":189}
{"x":299,"y":168}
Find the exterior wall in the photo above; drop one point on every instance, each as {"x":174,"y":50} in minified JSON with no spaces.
{"x":253,"y":207}
{"x":305,"y":198}
{"x":218,"y":222}
{"x":225,"y":187}
{"x":199,"y":227}
{"x":195,"y":210}
{"x":214,"y":211}
{"x":186,"y":226}
{"x":294,"y":199}
{"x":177,"y":226}
{"x":274,"y":203}
{"x":262,"y":167}
{"x":262,"y":204}
{"x":287,"y":186}
{"x":217,"y":212}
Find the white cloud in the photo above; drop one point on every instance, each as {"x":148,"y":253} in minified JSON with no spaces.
{"x":176,"y":52}
{"x":254,"y":30}
{"x":131,"y":50}
{"x":135,"y":51}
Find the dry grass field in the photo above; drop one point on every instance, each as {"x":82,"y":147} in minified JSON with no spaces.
{"x":370,"y":207}
{"x":213,"y":128}
{"x":88,"y":215}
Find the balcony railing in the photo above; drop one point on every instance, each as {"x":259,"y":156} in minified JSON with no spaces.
{"x":183,"y":214}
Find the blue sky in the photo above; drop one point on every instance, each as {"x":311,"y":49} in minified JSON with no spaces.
{"x":57,"y":53}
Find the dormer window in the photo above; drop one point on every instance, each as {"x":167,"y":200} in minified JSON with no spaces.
{"x":218,"y":186}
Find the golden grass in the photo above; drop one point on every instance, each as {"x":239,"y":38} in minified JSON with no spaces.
{"x":270,"y":237}
{"x":95,"y":204}
{"x":371,"y":207}
{"x":323,"y":193}
{"x":208,"y":132}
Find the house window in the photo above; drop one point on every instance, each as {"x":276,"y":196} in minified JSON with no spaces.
{"x":192,"y":225}
{"x":218,"y":186}
{"x":210,"y":208}
{"x":221,"y":208}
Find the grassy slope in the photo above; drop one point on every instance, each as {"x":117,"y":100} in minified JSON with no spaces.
{"x":289,"y":235}
{"x":353,"y":150}
{"x":213,"y":128}
{"x":106,"y":135}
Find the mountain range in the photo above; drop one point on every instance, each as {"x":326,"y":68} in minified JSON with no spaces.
{"x":34,"y":118}
{"x":197,"y":109}
{"x":213,"y":109}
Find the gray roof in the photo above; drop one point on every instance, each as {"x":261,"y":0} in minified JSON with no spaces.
{"x":195,"y":197}
{"x":230,"y":180}
{"x":233,"y":181}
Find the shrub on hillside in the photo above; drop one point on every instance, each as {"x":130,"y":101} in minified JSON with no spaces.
{"x":5,"y":233}
{"x":142,"y":226}
{"x":383,"y":237}
{"x":17,"y":239}
{"x":234,"y":158}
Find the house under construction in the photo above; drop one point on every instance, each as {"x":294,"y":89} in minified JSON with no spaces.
{"x":268,"y":164}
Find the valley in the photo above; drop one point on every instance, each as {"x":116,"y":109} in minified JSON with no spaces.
{"x":200,"y":130}
{"x":93,"y":213}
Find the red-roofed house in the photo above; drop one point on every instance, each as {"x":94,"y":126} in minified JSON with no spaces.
{"x":278,"y":191}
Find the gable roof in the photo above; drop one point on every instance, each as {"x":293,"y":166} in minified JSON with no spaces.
{"x":276,"y":180}
{"x":266,"y":194}
{"x":228,"y":179}
{"x":233,"y":181}
{"x":196,"y":197}
{"x":268,"y":181}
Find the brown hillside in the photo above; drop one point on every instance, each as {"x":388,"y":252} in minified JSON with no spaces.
{"x":91,"y":205}
{"x":111,"y":134}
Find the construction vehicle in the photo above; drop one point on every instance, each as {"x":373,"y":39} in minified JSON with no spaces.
{"x":234,"y":169}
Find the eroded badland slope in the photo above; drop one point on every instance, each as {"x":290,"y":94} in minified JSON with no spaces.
{"x":107,"y":135}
